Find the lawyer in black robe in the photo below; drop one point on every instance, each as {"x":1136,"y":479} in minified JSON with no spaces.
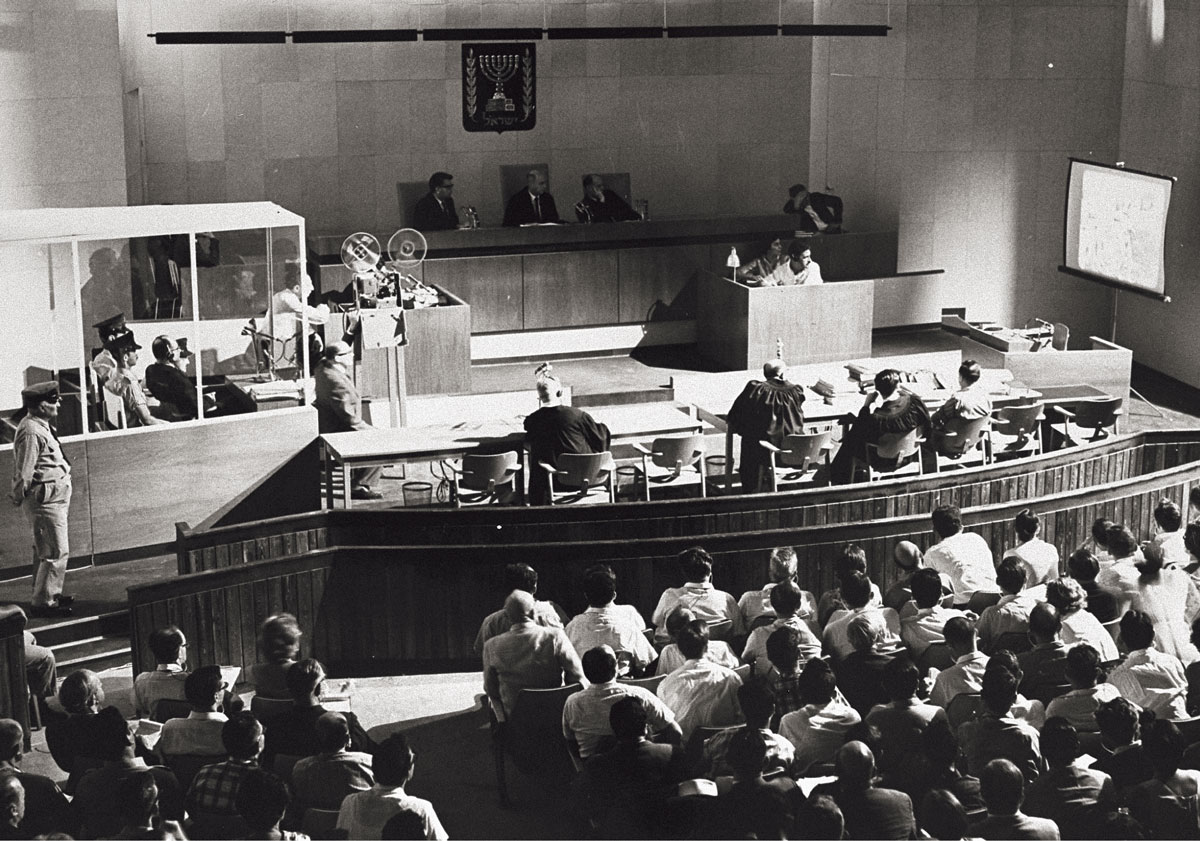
{"x":766,"y":410}
{"x":900,"y":412}
{"x":552,"y":431}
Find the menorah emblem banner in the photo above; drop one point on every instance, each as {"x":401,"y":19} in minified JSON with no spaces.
{"x":499,"y":87}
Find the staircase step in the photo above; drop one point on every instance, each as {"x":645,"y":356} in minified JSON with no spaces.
{"x":75,"y":628}
{"x":95,"y":653}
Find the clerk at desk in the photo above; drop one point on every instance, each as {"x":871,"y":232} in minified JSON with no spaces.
{"x":533,"y":205}
{"x":798,"y":270}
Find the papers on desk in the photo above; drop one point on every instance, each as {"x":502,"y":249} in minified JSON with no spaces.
{"x":148,"y":731}
{"x":276,"y":390}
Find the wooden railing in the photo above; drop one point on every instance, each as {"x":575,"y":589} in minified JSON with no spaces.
{"x":386,"y":609}
{"x":1029,"y":479}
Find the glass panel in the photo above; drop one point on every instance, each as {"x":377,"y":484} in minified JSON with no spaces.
{"x":40,"y":341}
{"x":234,"y":303}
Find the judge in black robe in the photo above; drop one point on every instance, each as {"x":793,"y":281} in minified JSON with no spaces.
{"x":765,"y":411}
{"x":889,"y":410}
{"x":555,"y":429}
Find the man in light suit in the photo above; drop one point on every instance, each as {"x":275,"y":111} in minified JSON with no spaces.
{"x":337,"y":404}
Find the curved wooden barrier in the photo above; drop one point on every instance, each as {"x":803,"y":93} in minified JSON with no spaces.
{"x":1108,"y":461}
{"x":392,"y":609}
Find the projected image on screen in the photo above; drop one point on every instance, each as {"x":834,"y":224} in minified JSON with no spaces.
{"x":1116,"y":225}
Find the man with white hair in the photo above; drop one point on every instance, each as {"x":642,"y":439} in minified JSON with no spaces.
{"x":756,"y":603}
{"x":337,"y":404}
{"x":526,"y":656}
{"x":766,"y":410}
{"x":555,"y":429}
{"x":532,"y":205}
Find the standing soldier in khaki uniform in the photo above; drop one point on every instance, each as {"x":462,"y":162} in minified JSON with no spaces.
{"x":42,"y":487}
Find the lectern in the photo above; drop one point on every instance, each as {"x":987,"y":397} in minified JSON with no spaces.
{"x":739,"y":327}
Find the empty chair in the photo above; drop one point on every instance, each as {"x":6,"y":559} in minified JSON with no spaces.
{"x":481,"y":479}
{"x":1090,"y":420}
{"x":1017,"y":430}
{"x":581,"y":477}
{"x":1062,"y":334}
{"x":963,"y":443}
{"x":672,"y":462}
{"x":904,"y":450}
{"x":798,"y":460}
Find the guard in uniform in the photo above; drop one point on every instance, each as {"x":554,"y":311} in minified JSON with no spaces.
{"x":42,"y":487}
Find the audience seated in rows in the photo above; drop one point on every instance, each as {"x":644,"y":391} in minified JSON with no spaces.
{"x":294,"y":731}
{"x":279,"y":644}
{"x":1124,"y":759}
{"x":901,"y":723}
{"x":363,"y":815}
{"x":1010,"y":615}
{"x":1078,"y":706}
{"x":200,"y":733}
{"x":1101,"y":602}
{"x":757,"y":705}
{"x":526,"y":656}
{"x":1039,"y":558}
{"x":697,"y":594}
{"x":1147,"y":677}
{"x":1078,"y":625}
{"x":755,"y":604}
{"x":519,"y":577}
{"x":96,"y":803}
{"x":702,"y":693}
{"x":869,"y":811}
{"x":963,"y":556}
{"x":212,"y":796}
{"x":787,"y":600}
{"x":787,"y":662}
{"x":322,"y":781}
{"x":816,"y":729}
{"x":607,"y":623}
{"x":1045,"y":665}
{"x":966,"y":675}
{"x":671,"y":658}
{"x":923,"y":625}
{"x":766,"y":808}
{"x":585,"y":723}
{"x":860,"y":675}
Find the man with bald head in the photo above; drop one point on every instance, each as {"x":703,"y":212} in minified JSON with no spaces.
{"x":532,"y":205}
{"x":908,"y":558}
{"x":527,"y":655}
{"x":766,"y":410}
{"x":870,"y":812}
{"x":323,"y":781}
{"x":46,"y":808}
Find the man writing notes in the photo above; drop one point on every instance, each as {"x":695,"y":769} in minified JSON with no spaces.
{"x":42,"y":488}
{"x":799,"y":270}
{"x":767,"y":409}
{"x":337,"y":404}
{"x":600,"y":204}
{"x":435,"y":211}
{"x":533,"y":205}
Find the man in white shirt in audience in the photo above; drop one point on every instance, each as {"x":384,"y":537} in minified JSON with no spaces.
{"x":925,"y":627}
{"x":698,"y":595}
{"x":786,"y":599}
{"x":1152,"y":679}
{"x":1169,"y":540}
{"x":200,"y":732}
{"x":1010,"y":615}
{"x":907,"y":557}
{"x":585,"y":721}
{"x":608,"y":623}
{"x":325,"y":780}
{"x":169,"y":647}
{"x":526,"y":656}
{"x":963,"y":556}
{"x":519,"y":577}
{"x":756,"y":603}
{"x":701,"y":693}
{"x":1039,"y":558}
{"x":856,"y":593}
{"x":364,"y":814}
{"x":966,"y":675}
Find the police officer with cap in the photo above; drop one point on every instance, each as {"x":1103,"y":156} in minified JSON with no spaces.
{"x":42,"y":488}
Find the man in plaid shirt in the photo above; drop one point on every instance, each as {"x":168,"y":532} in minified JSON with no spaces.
{"x":215,"y":787}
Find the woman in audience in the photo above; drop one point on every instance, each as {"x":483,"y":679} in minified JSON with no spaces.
{"x":817,"y":728}
{"x":853,"y":559}
{"x":1079,"y":625}
{"x":279,"y":644}
{"x":1170,"y":599}
{"x":1165,"y":804}
{"x":1118,"y":571}
{"x":1039,"y":558}
{"x":672,"y":658}
{"x":73,"y":741}
{"x":1098,"y":543}
{"x":1087,"y":693}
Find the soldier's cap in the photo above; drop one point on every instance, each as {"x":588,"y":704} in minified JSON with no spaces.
{"x":110,"y":328}
{"x":122,"y":343}
{"x":39,"y":393}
